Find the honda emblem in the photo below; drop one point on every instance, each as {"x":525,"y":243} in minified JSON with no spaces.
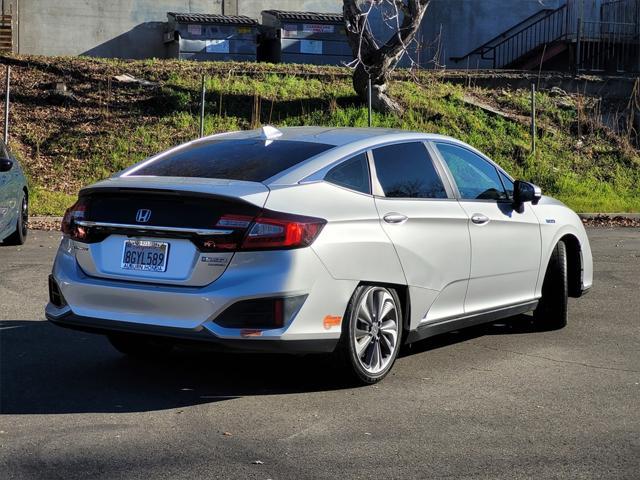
{"x":143,"y":215}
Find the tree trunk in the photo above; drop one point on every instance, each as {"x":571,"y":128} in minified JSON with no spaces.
{"x":380,"y":100}
{"x":378,"y":62}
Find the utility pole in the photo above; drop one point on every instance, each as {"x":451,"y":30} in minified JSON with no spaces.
{"x":533,"y":118}
{"x":202,"y":101}
{"x":369,"y":100}
{"x":6,"y":105}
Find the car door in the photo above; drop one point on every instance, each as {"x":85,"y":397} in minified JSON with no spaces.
{"x":427,"y":226}
{"x":505,"y":243}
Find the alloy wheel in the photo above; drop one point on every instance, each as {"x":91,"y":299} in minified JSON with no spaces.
{"x":375,"y":336}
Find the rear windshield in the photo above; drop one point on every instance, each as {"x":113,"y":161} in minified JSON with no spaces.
{"x":250,"y":160}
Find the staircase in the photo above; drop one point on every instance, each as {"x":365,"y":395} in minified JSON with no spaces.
{"x":518,"y":43}
{"x":609,"y":42}
{"x":6,"y":34}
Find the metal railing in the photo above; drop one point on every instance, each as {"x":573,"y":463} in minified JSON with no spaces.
{"x":609,"y":43}
{"x":607,"y":46}
{"x":489,"y":45}
{"x":619,"y":11}
{"x":550,"y":28}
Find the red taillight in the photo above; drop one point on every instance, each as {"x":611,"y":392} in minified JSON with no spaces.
{"x":71,"y":216}
{"x":273,"y":230}
{"x":270,"y":230}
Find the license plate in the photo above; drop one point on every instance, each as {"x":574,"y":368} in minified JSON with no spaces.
{"x":145,"y":255}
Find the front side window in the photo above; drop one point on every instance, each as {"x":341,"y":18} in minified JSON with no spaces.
{"x":249,"y":160}
{"x":476,"y":178}
{"x":352,"y":174}
{"x":405,"y":170}
{"x":508,"y":184}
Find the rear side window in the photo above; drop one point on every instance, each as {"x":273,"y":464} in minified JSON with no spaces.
{"x":352,"y":174}
{"x":250,"y":160}
{"x":405,"y":170}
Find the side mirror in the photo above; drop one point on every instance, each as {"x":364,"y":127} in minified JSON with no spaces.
{"x":5,"y":165}
{"x":525,"y":192}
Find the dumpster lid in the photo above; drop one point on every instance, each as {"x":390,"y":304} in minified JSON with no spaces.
{"x":305,"y":16}
{"x":211,"y":18}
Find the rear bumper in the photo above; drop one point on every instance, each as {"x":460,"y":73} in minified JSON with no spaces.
{"x":105,"y":305}
{"x":201,"y":335}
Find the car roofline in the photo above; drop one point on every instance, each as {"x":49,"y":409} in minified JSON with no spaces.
{"x":346,"y":142}
{"x":339,"y":153}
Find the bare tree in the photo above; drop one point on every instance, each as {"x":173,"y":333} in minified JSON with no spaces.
{"x":377,"y":58}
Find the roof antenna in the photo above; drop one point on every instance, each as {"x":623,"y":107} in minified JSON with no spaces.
{"x":270,"y":133}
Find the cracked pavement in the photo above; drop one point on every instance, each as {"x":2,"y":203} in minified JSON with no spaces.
{"x":498,"y":401}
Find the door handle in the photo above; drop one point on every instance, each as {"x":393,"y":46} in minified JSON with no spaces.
{"x":395,"y":218}
{"x":479,"y":219}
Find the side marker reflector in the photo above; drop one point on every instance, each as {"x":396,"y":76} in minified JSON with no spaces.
{"x":248,"y":332}
{"x":331,"y":321}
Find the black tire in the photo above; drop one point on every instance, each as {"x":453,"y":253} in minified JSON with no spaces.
{"x":552,"y":311}
{"x":19,"y":236}
{"x":139,"y":346}
{"x":346,"y":351}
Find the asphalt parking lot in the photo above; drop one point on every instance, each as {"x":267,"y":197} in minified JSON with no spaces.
{"x":500,"y":401}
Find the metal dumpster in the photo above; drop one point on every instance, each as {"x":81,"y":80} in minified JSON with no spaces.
{"x":196,"y":36}
{"x":304,"y":37}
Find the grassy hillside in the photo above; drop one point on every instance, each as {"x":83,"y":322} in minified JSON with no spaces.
{"x":99,"y":126}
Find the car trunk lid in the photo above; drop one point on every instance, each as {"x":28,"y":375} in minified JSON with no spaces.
{"x":165,"y":230}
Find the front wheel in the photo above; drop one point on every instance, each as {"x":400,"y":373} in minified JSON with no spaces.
{"x":371,"y":333}
{"x":552,"y":311}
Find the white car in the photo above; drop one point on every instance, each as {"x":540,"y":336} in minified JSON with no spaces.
{"x":311,"y":239}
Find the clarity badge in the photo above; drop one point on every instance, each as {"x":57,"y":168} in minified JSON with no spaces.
{"x":215,"y":261}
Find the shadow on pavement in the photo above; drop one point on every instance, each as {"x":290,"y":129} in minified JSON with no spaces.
{"x":45,"y":369}
{"x":518,"y":325}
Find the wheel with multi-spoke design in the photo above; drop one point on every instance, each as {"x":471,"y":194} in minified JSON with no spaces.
{"x":371,"y":333}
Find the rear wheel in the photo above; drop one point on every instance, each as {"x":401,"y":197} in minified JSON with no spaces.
{"x":19,"y":236}
{"x":139,"y":346}
{"x":552,"y":310}
{"x":371,"y":333}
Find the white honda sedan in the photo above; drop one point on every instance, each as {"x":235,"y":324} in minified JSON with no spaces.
{"x":352,"y":241}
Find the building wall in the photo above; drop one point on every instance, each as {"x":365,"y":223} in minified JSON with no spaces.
{"x":134,"y":28}
{"x":102,"y":28}
{"x":252,"y":8}
{"x":463,"y":25}
{"x":124,"y":28}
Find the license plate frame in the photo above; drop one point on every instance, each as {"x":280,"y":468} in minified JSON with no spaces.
{"x":144,"y":260}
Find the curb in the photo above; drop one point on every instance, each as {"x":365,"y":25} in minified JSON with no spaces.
{"x":45,"y":218}
{"x":593,"y":216}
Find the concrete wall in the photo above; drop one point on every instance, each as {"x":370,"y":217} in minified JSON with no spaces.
{"x":133,"y":28}
{"x":102,"y":28}
{"x":464,"y":25}
{"x":125,"y":28}
{"x":252,"y":8}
